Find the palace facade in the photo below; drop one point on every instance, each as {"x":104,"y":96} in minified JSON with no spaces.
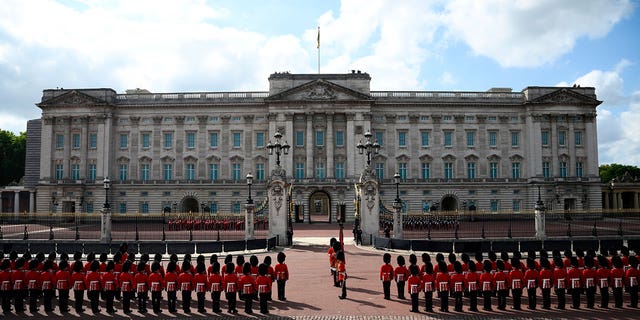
{"x":191,"y":151}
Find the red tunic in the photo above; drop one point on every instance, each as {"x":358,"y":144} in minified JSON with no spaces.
{"x":32,"y":278}
{"x":516,"y":279}
{"x":109,"y":281}
{"x":156,"y":282}
{"x":185,"y":281}
{"x":603,"y":277}
{"x":282,"y":271}
{"x":500,"y":279}
{"x":17,"y":280}
{"x":401,"y":273}
{"x":442,"y":281}
{"x":414,"y":285}
{"x":546,"y":279}
{"x":271,"y":272}
{"x":127,"y":282}
{"x":5,"y":280}
{"x":142,"y":282}
{"x":63,"y":280}
{"x":617,"y":277}
{"x":230,"y":282}
{"x":215,"y":282}
{"x":574,"y":276}
{"x":531,"y":277}
{"x":560,"y":278}
{"x":247,"y":284}
{"x":342,"y":271}
{"x":486,"y":281}
{"x":589,"y":278}
{"x":171,"y":281}
{"x":93,"y":281}
{"x":78,"y":281}
{"x":201,"y":283}
{"x":472,"y":281}
{"x":263,"y":283}
{"x":458,"y":282}
{"x":47,"y":279}
{"x":386,"y":272}
{"x":631,"y":277}
{"x":428,"y":282}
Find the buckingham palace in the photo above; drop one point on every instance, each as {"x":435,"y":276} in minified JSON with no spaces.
{"x":190,"y":151}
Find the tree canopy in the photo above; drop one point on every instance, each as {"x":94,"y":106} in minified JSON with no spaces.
{"x":12,"y":155}
{"x":614,"y":170}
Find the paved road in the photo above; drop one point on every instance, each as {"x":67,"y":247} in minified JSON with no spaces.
{"x":311,"y":294}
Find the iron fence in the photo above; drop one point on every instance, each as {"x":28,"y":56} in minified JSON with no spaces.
{"x":130,"y":227}
{"x":488,"y":225}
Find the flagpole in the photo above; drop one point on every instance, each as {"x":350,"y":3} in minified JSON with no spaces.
{"x":318,"y":49}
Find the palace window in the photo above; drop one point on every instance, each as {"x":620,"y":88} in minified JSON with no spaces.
{"x":424,"y":138}
{"x":145,"y":172}
{"x":426,"y":170}
{"x":213,"y":139}
{"x":213,"y":171}
{"x":339,"y":170}
{"x":191,"y":140}
{"x":493,"y":138}
{"x":299,"y":170}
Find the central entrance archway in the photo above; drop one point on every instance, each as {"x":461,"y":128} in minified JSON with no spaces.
{"x":319,"y":207}
{"x":449,"y":203}
{"x":190,"y":204}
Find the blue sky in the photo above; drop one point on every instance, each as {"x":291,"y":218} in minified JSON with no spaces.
{"x":198,"y":45}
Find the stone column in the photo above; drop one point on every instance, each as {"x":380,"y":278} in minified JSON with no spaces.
{"x":278,"y":206}
{"x":368,"y":192}
{"x":32,"y":202}
{"x":105,"y":226}
{"x":16,"y":202}
{"x":540,"y":222}
{"x":329,"y":143}
{"x":636,"y":200}
{"x":309,"y":146}
{"x":619,"y":200}
{"x":606,"y":200}
{"x":248,"y":221}
{"x":397,"y":220}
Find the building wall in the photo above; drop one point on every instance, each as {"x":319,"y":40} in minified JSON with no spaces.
{"x":337,"y":109}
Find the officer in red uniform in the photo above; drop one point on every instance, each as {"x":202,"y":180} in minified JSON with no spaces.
{"x":546,"y":280}
{"x":127,"y":283}
{"x":78,"y":282}
{"x":574,"y":276}
{"x":63,"y":280}
{"x":386,"y":274}
{"x":472,"y":287}
{"x":401,"y":275}
{"x":215,"y":282}
{"x":617,"y":276}
{"x":142,"y":286}
{"x":47,"y":277}
{"x":32,"y":278}
{"x":560,"y":281}
{"x":263,"y":282}
{"x":414,"y":286}
{"x":5,"y":286}
{"x":442,"y":284}
{"x":156,"y":282}
{"x":171,"y":282}
{"x":631,"y":281}
{"x":186,"y":284}
{"x":428,"y":283}
{"x":230,"y":285}
{"x":202,"y":285}
{"x":94,"y":285}
{"x":531,"y":277}
{"x":271,"y":272}
{"x":109,"y":284}
{"x":500,"y":278}
{"x":247,"y":286}
{"x":458,"y":282}
{"x":486,"y":281}
{"x":282,"y":275}
{"x":516,"y":278}
{"x":603,"y":277}
{"x":342,"y":273}
{"x":589,"y":281}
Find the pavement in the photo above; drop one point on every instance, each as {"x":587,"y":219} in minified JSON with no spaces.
{"x":311,"y":294}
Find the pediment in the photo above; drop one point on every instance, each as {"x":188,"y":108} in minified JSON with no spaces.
{"x":566,"y":96}
{"x":73,"y":98}
{"x":319,"y":90}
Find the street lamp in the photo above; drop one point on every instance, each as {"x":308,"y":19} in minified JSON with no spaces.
{"x":248,"y":216}
{"x":396,"y":179}
{"x":105,"y":230}
{"x":397,"y":206}
{"x":278,"y":147}
{"x":106,"y":184}
{"x":249,"y":183}
{"x":369,"y":147}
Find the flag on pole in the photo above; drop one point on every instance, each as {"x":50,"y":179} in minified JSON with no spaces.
{"x":318,"y":37}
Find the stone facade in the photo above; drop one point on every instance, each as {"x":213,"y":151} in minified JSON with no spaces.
{"x":191,"y":151}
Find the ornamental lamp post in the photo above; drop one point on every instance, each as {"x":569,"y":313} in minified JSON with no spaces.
{"x":397,"y":206}
{"x":539,"y":218}
{"x":248,"y":216}
{"x":369,"y":147}
{"x":278,"y":147}
{"x":105,"y":230}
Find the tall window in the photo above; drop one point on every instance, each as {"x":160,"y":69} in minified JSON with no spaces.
{"x":191,"y":140}
{"x":380,"y":138}
{"x":515,"y":138}
{"x":75,"y":171}
{"x":299,"y":170}
{"x":259,"y":139}
{"x":213,"y":207}
{"x":448,"y":170}
{"x":213,"y":171}
{"x":320,"y":170}
{"x":494,"y":205}
{"x":124,"y":172}
{"x":579,"y":169}
{"x":563,"y":169}
{"x":493,"y":170}
{"x":546,"y":169}
{"x":471,"y":138}
{"x":235,"y":207}
{"x":493,"y":138}
{"x":515,"y":170}
{"x":123,"y":207}
{"x":299,"y":138}
{"x":545,"y":137}
{"x":213,"y":139}
{"x":168,"y":171}
{"x":448,"y":138}
{"x":93,"y":140}
{"x":92,"y":172}
{"x":59,"y":141}
{"x":426,"y":170}
{"x":236,"y":172}
{"x":260,"y":171}
{"x":562,"y":137}
{"x":168,"y":140}
{"x":144,"y":207}
{"x":339,"y":170}
{"x":402,"y":138}
{"x":76,"y":140}
{"x":516,"y":205}
{"x":145,"y":172}
{"x":124,"y":141}
{"x":578,"y":138}
{"x":424,"y":138}
{"x":380,"y":170}
{"x":402,"y":170}
{"x":237,"y":139}
{"x":471,"y":170}
{"x":190,"y":173}
{"x":339,"y":138}
{"x":319,"y":138}
{"x":89,"y":207}
{"x":146,"y":140}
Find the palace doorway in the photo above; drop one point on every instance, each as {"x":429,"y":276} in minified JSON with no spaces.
{"x":319,"y":207}
{"x":449,"y":203}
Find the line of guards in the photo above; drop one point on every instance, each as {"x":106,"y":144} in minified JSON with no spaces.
{"x":493,"y":277}
{"x":125,"y":279}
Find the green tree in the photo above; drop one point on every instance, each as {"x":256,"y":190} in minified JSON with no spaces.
{"x":12,"y":154}
{"x":614,"y":170}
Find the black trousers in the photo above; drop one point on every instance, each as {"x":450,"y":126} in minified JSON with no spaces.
{"x":517,"y":298}
{"x":18,"y":296}
{"x":444,"y":301}
{"x":231,"y":300}
{"x":400,"y":285}
{"x":617,"y":297}
{"x":414,"y":302}
{"x":6,"y":301}
{"x":78,"y":295}
{"x":386,"y":288}
{"x":591,"y":297}
{"x":562,"y":300}
{"x":201,"y":296}
{"x":281,"y":286}
{"x":215,"y":297}
{"x":47,"y":297}
{"x":94,"y":299}
{"x":486,"y":296}
{"x":186,"y":301}
{"x":156,"y":297}
{"x":575,"y":298}
{"x":633,"y":297}
{"x":473,"y":300}
{"x":34,"y":294}
{"x":546,"y":298}
{"x":109,"y":295}
{"x":126,"y":301}
{"x":172,"y":301}
{"x":457,"y":296}
{"x":264,"y":299}
{"x":248,"y":303}
{"x":428,"y":301}
{"x":343,"y":284}
{"x":531,"y":294}
{"x":63,"y":300}
{"x":142,"y":301}
{"x":604,"y":297}
{"x":502,"y":299}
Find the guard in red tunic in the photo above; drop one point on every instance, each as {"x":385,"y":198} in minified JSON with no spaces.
{"x":201,"y":285}
{"x":47,"y":276}
{"x":186,"y":284}
{"x":94,"y":285}
{"x":414,"y":287}
{"x":500,"y":278}
{"x":263,"y":282}
{"x":531,"y":277}
{"x":631,"y":281}
{"x":386,"y":274}
{"x":5,"y":286}
{"x":156,"y":282}
{"x":401,"y":275}
{"x":215,"y":282}
{"x":428,"y":282}
{"x":486,"y":283}
{"x":617,"y":276}
{"x":442,"y":284}
{"x":63,"y":281}
{"x":109,"y":284}
{"x":574,"y":276}
{"x":560,"y":281}
{"x":282,"y":275}
{"x":589,"y":281}
{"x":127,"y":283}
{"x":458,"y":282}
{"x":230,"y":285}
{"x":78,"y":283}
{"x":32,"y":277}
{"x":546,"y":280}
{"x":516,"y":278}
{"x":247,"y":286}
{"x":471,"y":278}
{"x":603,"y":279}
{"x":142,"y":287}
{"x":271,"y":272}
{"x":342,"y":273}
{"x":171,"y":282}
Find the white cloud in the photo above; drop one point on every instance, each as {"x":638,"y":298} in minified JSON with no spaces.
{"x":13,"y":123}
{"x":530,"y":33}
